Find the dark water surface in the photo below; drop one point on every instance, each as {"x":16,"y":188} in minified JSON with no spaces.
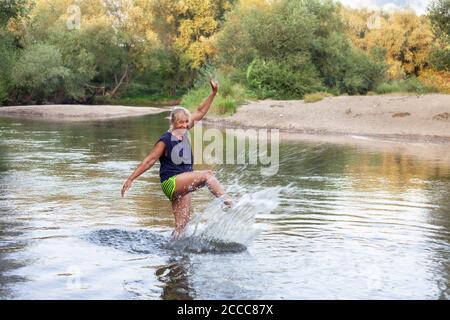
{"x":354,"y":223}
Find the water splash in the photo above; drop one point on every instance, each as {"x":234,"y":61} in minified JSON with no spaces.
{"x":219,"y":229}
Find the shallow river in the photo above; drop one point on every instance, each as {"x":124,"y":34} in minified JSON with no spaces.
{"x":335,"y":222}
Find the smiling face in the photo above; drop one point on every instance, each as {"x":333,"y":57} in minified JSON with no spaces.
{"x":180,"y":119}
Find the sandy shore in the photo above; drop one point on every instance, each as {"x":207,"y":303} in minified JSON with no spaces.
{"x":388,"y":116}
{"x":402,"y":117}
{"x":76,"y":112}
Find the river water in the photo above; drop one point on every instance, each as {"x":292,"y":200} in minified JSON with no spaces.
{"x":336,"y":222}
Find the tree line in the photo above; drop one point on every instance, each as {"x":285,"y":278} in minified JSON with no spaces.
{"x":86,"y":51}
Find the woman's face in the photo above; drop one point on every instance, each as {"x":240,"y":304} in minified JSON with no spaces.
{"x":181,"y":122}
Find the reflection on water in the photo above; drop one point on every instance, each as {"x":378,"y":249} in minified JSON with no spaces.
{"x":337,"y":222}
{"x":174,"y":277}
{"x":10,"y":237}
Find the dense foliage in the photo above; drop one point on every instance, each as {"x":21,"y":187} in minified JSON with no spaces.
{"x":65,"y":51}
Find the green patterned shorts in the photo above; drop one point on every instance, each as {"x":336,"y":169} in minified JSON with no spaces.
{"x":168,"y":187}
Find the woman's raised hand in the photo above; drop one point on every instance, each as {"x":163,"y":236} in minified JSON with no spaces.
{"x":214,"y":85}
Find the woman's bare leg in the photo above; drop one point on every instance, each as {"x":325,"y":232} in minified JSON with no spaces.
{"x":181,"y":207}
{"x":190,"y":181}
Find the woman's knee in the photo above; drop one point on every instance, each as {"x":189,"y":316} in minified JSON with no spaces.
{"x":207,"y":174}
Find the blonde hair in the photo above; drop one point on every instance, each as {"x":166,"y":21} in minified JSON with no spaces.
{"x":174,"y":115}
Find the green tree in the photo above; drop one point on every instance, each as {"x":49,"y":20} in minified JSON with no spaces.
{"x":12,"y":9}
{"x":407,"y":38}
{"x":8,"y":54}
{"x":107,"y":48}
{"x":186,"y":31}
{"x":362,"y":74}
{"x":40,"y":75}
{"x":439,"y":14}
{"x":440,"y":58}
{"x":290,"y":48}
{"x":9,"y":11}
{"x":276,"y":79}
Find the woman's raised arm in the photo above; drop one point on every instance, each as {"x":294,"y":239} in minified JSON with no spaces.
{"x":201,"y":111}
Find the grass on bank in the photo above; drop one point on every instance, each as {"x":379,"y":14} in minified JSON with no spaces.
{"x":407,"y":86}
{"x":315,"y":97}
{"x":229,"y":97}
{"x":410,"y":85}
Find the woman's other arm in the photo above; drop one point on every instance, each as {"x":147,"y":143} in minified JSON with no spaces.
{"x":146,"y":164}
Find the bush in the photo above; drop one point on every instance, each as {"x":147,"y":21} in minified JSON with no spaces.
{"x":440,"y":59}
{"x":362,"y":74}
{"x":137,"y":89}
{"x":193,"y":98}
{"x":3,"y":93}
{"x":315,"y":97}
{"x":386,"y":87}
{"x":12,"y":9}
{"x":8,"y":55}
{"x":272,"y":79}
{"x":42,"y":74}
{"x":229,"y":96}
{"x":225,"y":105}
{"x":410,"y":85}
{"x":436,"y":79}
{"x":292,"y":48}
{"x":39,"y":73}
{"x":439,"y":14}
{"x":144,"y":100}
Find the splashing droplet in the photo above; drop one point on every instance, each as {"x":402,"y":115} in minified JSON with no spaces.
{"x":218,"y":229}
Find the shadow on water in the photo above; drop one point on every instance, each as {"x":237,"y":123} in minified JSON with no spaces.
{"x":196,"y":244}
{"x":174,"y":277}
{"x":150,"y":242}
{"x":132,"y":241}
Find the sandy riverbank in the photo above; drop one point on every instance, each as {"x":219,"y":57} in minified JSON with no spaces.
{"x":76,"y":112}
{"x":389,"y":116}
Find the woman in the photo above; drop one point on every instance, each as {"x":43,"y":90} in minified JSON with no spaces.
{"x":174,"y":152}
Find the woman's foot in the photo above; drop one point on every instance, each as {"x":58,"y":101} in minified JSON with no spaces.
{"x":175,"y":235}
{"x":227,"y":200}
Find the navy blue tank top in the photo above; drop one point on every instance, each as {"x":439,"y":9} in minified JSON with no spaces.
{"x":177,"y":157}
